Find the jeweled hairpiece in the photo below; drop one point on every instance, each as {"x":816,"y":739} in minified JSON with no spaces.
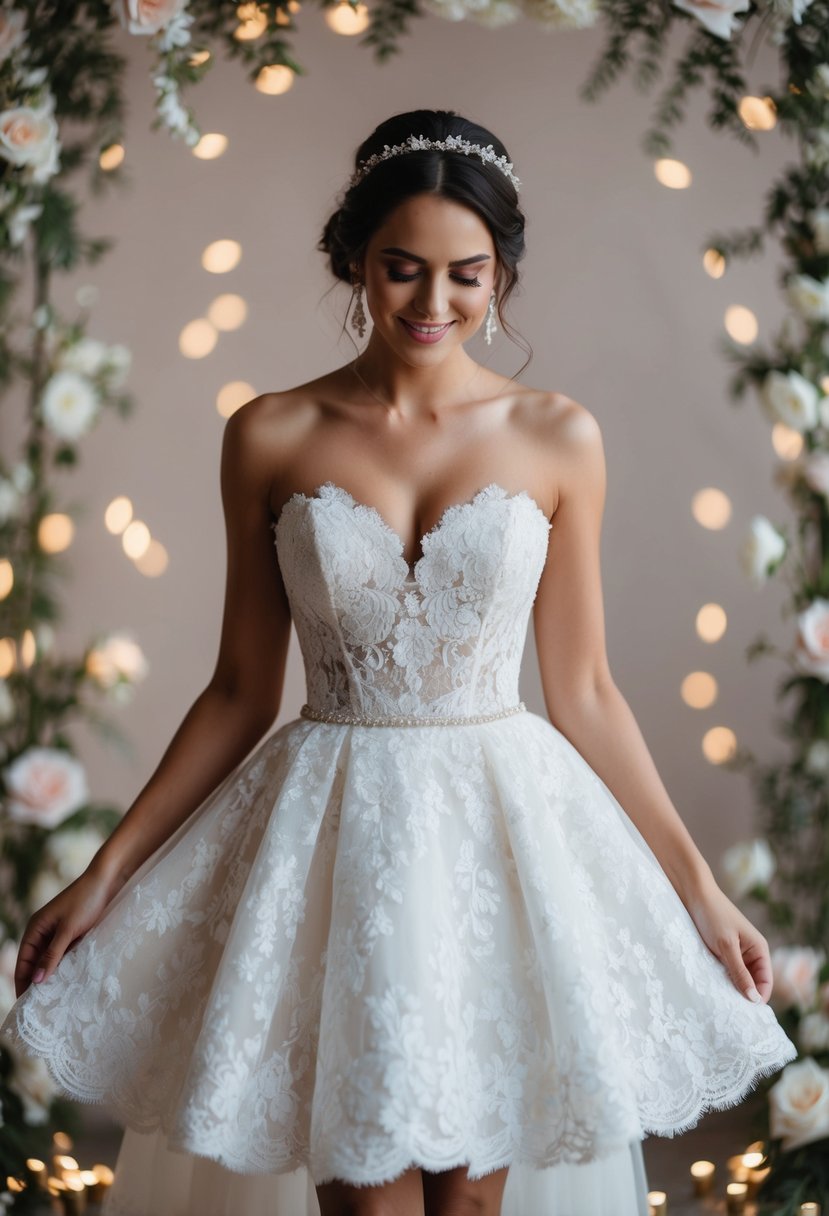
{"x":452,"y":143}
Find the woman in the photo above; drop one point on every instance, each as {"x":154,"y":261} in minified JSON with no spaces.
{"x":411,"y":955}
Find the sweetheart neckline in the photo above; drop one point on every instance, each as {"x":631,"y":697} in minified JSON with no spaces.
{"x":370,"y":509}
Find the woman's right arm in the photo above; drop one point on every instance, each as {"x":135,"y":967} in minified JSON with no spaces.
{"x":226,"y":720}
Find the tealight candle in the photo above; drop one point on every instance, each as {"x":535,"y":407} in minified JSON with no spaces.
{"x":65,"y":1165}
{"x":756,"y":1178}
{"x":752,"y":1160}
{"x":104,"y":1178}
{"x":810,"y":1209}
{"x":735,"y":1197}
{"x":657,"y":1203}
{"x":702,"y":1173}
{"x":36,"y":1170}
{"x":737,"y":1168}
{"x":74,"y":1197}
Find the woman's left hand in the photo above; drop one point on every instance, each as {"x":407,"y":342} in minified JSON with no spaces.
{"x":735,"y":941}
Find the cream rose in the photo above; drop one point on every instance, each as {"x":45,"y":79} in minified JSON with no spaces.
{"x":147,"y":16}
{"x":795,"y":970}
{"x":44,"y":786}
{"x":747,"y":864}
{"x":45,"y":886}
{"x":28,"y":136}
{"x":71,"y":851}
{"x":117,"y":657}
{"x":809,"y":296}
{"x":791,"y":398}
{"x":718,"y":18}
{"x":799,"y":1104}
{"x":812,"y":642}
{"x":813,"y":1032}
{"x":762,"y":549}
{"x":86,"y":356}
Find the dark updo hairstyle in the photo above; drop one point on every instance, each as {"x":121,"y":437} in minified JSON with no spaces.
{"x":465,"y":179}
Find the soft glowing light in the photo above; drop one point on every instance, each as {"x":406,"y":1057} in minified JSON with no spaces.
{"x":699,"y":689}
{"x":702,"y":1175}
{"x":674,"y":174}
{"x":136,"y":539}
{"x":198,"y":338}
{"x":714,"y":263}
{"x":253,"y":21}
{"x":343,"y":19}
{"x":221,"y":256}
{"x":758,"y":113}
{"x":230,"y":396}
{"x":118,"y":514}
{"x":111,"y":157}
{"x":786,"y":441}
{"x":28,"y":648}
{"x":211,"y":145}
{"x":198,"y":58}
{"x":55,"y":533}
{"x":228,"y":311}
{"x":154,"y":560}
{"x":6,"y":577}
{"x":824,"y":384}
{"x":741,"y":324}
{"x":719,"y":744}
{"x":711,"y":508}
{"x":8,"y":659}
{"x":657,"y":1203}
{"x":711,"y":622}
{"x":275,"y":78}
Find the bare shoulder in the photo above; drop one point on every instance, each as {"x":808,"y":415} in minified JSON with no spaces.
{"x":263,"y":436}
{"x":566,"y":438}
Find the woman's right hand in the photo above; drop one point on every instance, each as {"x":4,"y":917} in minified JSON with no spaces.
{"x":52,"y":929}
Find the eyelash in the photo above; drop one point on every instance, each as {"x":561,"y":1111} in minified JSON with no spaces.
{"x":397,"y":277}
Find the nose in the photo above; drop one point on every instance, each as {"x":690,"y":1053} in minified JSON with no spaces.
{"x":431,"y":298}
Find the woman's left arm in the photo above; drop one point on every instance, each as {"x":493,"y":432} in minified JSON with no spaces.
{"x":584,"y":703}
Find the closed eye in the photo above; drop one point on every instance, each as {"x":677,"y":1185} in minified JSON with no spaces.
{"x":397,"y":277}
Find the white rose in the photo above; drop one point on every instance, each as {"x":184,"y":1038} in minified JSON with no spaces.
{"x":813,"y":1032}
{"x":799,"y":1104}
{"x":71,"y":852}
{"x":69,"y":404}
{"x":33,"y":1083}
{"x":147,"y":16}
{"x":7,"y":709}
{"x":820,"y":227}
{"x":814,"y":468}
{"x":795,"y":971}
{"x":44,"y":786}
{"x":812,"y":642}
{"x":761,"y":550}
{"x":791,"y":398}
{"x":718,"y":18}
{"x":12,"y":31}
{"x":9,"y":500}
{"x":117,"y":657}
{"x":817,"y":758}
{"x":27,"y":135}
{"x":45,"y":886}
{"x":177,"y":32}
{"x":86,"y":356}
{"x":747,"y":864}
{"x":809,"y":296}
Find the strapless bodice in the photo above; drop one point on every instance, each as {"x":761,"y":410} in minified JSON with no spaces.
{"x":444,"y":637}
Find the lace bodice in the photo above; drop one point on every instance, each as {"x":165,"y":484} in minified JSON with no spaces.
{"x":442,"y":637}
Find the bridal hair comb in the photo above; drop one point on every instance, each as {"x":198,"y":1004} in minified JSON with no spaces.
{"x":452,"y":143}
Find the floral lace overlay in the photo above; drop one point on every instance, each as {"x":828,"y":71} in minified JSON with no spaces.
{"x":376,"y":947}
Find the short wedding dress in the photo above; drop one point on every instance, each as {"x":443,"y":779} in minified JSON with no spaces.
{"x":412,"y":927}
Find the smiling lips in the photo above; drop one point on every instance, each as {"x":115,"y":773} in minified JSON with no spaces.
{"x":425,"y":333}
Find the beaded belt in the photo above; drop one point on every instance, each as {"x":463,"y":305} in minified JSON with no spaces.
{"x":343,"y":718}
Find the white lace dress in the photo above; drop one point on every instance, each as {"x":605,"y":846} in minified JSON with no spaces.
{"x":431,"y":942}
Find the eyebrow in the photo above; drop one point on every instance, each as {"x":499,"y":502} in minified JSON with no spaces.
{"x":412,"y":257}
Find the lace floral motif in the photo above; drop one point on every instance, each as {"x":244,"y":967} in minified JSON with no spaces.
{"x":376,"y":947}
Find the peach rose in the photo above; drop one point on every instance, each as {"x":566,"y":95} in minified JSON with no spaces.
{"x":799,"y":1104}
{"x":812,"y":643}
{"x":45,"y":785}
{"x":147,"y":16}
{"x":795,"y":971}
{"x":29,"y":136}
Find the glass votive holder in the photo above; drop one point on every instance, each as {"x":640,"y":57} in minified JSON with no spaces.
{"x":736,"y":1194}
{"x":657,"y":1203}
{"x":702,"y":1176}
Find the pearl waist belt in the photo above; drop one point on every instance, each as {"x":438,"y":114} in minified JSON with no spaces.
{"x":344,"y":718}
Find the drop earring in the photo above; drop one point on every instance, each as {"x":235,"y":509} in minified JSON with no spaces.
{"x":490,"y":320}
{"x":358,"y":316}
